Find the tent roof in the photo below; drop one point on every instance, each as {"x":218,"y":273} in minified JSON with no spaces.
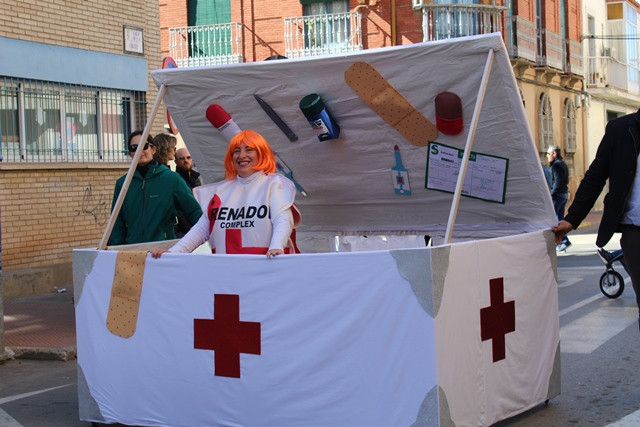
{"x":348,"y":180}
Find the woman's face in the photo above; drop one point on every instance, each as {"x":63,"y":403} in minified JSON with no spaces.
{"x":147,"y":154}
{"x":244,"y":159}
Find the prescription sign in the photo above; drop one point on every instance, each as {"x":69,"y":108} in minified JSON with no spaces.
{"x":486,"y":176}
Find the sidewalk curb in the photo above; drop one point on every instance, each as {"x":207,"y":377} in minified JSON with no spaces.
{"x":63,"y":354}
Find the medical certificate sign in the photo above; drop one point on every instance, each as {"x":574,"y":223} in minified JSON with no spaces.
{"x":486,"y":176}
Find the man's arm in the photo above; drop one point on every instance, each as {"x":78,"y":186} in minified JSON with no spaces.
{"x":593,"y":181}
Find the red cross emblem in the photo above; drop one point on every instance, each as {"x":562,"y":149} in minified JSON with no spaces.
{"x":498,"y":319}
{"x":226,"y":335}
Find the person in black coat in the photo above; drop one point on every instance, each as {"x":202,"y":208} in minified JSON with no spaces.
{"x":616,"y":160}
{"x":184,"y":168}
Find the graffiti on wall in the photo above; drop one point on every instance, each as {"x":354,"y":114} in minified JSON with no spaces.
{"x":96,"y":207}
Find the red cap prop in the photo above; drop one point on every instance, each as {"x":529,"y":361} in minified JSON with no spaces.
{"x":448,"y":113}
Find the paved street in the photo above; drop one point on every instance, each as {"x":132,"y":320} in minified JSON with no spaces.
{"x":600,"y":346}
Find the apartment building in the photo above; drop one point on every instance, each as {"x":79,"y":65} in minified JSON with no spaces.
{"x":612,"y":78}
{"x":543,"y":38}
{"x":74,"y":81}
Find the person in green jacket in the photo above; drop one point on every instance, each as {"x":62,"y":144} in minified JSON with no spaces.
{"x":154,"y":197}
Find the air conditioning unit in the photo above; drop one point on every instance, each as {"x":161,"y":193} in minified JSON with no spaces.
{"x":610,"y":52}
{"x":417,"y":4}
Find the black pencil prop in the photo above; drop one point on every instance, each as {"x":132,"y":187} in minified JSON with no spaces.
{"x":276,"y":119}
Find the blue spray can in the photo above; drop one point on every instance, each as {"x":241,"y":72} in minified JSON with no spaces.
{"x":319,"y":118}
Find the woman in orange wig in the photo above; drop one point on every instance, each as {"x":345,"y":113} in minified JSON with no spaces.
{"x":252,"y":211}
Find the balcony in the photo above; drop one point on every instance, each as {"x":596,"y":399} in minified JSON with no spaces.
{"x":206,"y":45}
{"x":322,"y":34}
{"x":521,"y":38}
{"x":608,"y":72}
{"x":441,"y":22}
{"x":575,"y":65}
{"x":550,"y":52}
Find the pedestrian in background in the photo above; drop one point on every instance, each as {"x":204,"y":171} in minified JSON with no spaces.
{"x":617,"y":161}
{"x":184,"y":168}
{"x":559,"y":189}
{"x":547,"y":176}
{"x":165,"y":148}
{"x":154,"y":197}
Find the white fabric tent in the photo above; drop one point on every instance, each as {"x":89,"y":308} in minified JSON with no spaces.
{"x":348,"y":179}
{"x":457,"y":334}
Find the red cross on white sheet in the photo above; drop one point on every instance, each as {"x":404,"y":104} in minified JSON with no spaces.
{"x":226,"y":335}
{"x":498,"y":319}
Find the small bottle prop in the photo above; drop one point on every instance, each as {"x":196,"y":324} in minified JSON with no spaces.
{"x":319,"y":118}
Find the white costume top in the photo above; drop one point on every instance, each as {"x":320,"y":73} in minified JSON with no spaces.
{"x":244,"y":215}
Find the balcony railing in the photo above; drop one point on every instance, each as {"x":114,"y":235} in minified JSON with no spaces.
{"x":441,"y":22}
{"x":576,"y":59}
{"x":605,"y":71}
{"x":543,"y":47}
{"x":550,"y":50}
{"x":322,"y":34}
{"x":521,"y":38}
{"x":206,"y":45}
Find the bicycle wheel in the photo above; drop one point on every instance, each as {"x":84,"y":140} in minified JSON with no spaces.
{"x":611,"y":284}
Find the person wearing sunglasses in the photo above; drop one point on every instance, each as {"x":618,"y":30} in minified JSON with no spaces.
{"x":251,"y":211}
{"x":154,"y":197}
{"x":184,"y":168}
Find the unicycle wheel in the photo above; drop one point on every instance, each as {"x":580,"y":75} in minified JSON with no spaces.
{"x":611,"y":284}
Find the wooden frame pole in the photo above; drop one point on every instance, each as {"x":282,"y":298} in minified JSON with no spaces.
{"x":467,"y":149}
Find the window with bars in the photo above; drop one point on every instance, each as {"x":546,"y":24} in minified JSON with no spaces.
{"x":545,"y":121}
{"x":55,"y":122}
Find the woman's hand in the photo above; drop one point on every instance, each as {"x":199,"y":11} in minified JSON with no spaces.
{"x":274,"y":252}
{"x":157,"y":253}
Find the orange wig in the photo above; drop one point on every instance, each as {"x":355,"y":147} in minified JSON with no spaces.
{"x":252,"y":139}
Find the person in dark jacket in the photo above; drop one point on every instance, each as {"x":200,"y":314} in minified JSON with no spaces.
{"x":154,"y":197}
{"x":616,"y":160}
{"x":184,"y":167}
{"x":559,"y":188}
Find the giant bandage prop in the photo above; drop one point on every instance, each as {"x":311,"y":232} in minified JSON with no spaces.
{"x":122,"y":317}
{"x":385,"y":100}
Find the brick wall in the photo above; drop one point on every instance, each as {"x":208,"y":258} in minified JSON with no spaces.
{"x":574,"y":20}
{"x":173,"y":14}
{"x":86,"y":24}
{"x":49,"y":210}
{"x":263,"y":30}
{"x":550,"y":18}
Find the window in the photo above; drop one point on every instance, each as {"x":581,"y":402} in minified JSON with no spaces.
{"x":53,"y":122}
{"x":545,"y":120}
{"x":210,"y":37}
{"x":328,"y":24}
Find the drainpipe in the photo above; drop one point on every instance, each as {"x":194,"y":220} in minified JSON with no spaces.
{"x":3,"y":354}
{"x":393,"y":23}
